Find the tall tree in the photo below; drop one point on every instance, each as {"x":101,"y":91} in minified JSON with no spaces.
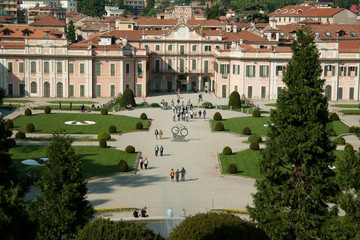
{"x":70,"y":33}
{"x":292,"y":200}
{"x":62,"y":207}
{"x":93,"y":8}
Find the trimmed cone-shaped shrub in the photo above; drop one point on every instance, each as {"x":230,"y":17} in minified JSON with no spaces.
{"x":334,"y":117}
{"x":112,"y":129}
{"x":104,"y":111}
{"x":255,"y":138}
{"x":217,"y":116}
{"x":139,"y":126}
{"x":9,"y":124}
{"x":118,"y":99}
{"x":247,"y":131}
{"x":20,"y":135}
{"x":256,"y":113}
{"x":128,"y":98}
{"x":254,"y":146}
{"x":348,"y":147}
{"x":27,"y":112}
{"x":105,"y":135}
{"x":234,"y":100}
{"x":219,"y":126}
{"x":130,"y":149}
{"x":143,"y":116}
{"x":103,"y":143}
{"x":122,"y":166}
{"x":47,"y":110}
{"x":227,"y":150}
{"x":30,"y":127}
{"x":232,"y":168}
{"x":339,"y":141}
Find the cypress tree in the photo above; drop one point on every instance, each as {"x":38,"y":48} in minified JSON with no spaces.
{"x":128,"y":98}
{"x":234,"y":100}
{"x":70,"y":33}
{"x":292,"y":200}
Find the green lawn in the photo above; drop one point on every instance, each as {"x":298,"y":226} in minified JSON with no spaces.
{"x":16,"y":101}
{"x":247,"y":162}
{"x":96,"y":160}
{"x":340,"y":127}
{"x":352,"y":112}
{"x":346,"y":105}
{"x":47,"y":123}
{"x":237,"y":124}
{"x":271,"y":104}
{"x":73,"y":102}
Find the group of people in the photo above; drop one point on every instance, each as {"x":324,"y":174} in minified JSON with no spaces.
{"x":143,"y":213}
{"x":185,"y":114}
{"x":143,"y":163}
{"x":177,"y":174}
{"x":170,"y":213}
{"x":164,"y":105}
{"x":157,"y":149}
{"x":159,"y":134}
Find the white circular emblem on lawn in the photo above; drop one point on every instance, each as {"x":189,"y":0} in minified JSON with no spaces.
{"x":80,"y":122}
{"x":34,"y":162}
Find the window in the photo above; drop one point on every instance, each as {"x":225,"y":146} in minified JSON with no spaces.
{"x":207,"y":48}
{"x":182,"y":65}
{"x":353,"y":34}
{"x":82,"y":90}
{"x":250,"y":71}
{"x":206,"y":66}
{"x":98,"y":70}
{"x":264,"y":71}
{"x":33,"y":67}
{"x":33,"y":87}
{"x":169,"y":63}
{"x":59,"y":67}
{"x":279,"y":70}
{"x":46,"y":67}
{"x":157,"y":47}
{"x":224,"y":69}
{"x":329,"y":68}
{"x":98,"y":90}
{"x":127,"y":86}
{"x":236,"y":88}
{"x":328,"y":34}
{"x":157,"y":65}
{"x":193,"y":64}
{"x":216,"y":66}
{"x":21,"y":67}
{"x":340,"y":93}
{"x":263,"y":91}
{"x":182,"y":49}
{"x":139,"y":70}
{"x":351,"y":93}
{"x":71,"y":90}
{"x":10,"y":89}
{"x":194,"y":48}
{"x":279,"y":89}
{"x":112,"y":90}
{"x":82,"y":68}
{"x":249,"y":93}
{"x":129,"y":26}
{"x":353,"y":71}
{"x":71,"y":68}
{"x":342,"y":71}
{"x":236,"y":69}
{"x":10,"y":67}
{"x":112,"y":69}
{"x":317,"y":34}
{"x":170,"y":47}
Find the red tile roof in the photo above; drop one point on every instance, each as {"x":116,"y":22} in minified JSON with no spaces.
{"x":49,"y":21}
{"x":72,"y":13}
{"x":205,"y":23}
{"x":323,"y":12}
{"x":17,"y":32}
{"x":245,"y":35}
{"x":155,"y":22}
{"x":290,"y":11}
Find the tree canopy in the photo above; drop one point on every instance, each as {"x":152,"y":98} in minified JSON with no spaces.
{"x":93,"y":8}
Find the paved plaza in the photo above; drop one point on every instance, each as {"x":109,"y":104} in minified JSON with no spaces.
{"x":205,"y":188}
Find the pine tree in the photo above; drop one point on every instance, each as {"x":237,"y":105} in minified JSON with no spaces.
{"x":292,"y":200}
{"x":70,"y":33}
{"x":62,"y":207}
{"x":128,"y":98}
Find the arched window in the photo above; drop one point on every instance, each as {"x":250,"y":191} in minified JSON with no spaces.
{"x":33,"y":87}
{"x":59,"y":90}
{"x":46,"y":89}
{"x":328,"y":92}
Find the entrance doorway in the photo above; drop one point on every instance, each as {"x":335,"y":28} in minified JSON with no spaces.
{"x":206,"y":84}
{"x":182,"y":83}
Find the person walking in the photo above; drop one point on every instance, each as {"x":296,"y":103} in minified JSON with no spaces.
{"x":146,"y":163}
{"x":177,"y":173}
{"x":161,"y":134}
{"x":156,"y":133}
{"x":156,"y":150}
{"x":195,"y":113}
{"x":141,"y":163}
{"x":183,"y":171}
{"x":183,"y":213}
{"x":199,"y":113}
{"x":174,"y":115}
{"x":172,"y":173}
{"x":204,"y":113}
{"x":161,"y":150}
{"x":170,"y":213}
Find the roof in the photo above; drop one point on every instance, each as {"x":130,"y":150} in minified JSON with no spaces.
{"x":72,"y":13}
{"x":323,"y":12}
{"x":290,"y":11}
{"x":155,"y":22}
{"x":48,"y":21}
{"x":106,"y":35}
{"x":17,"y":32}
{"x":205,"y":23}
{"x":47,"y":8}
{"x":245,"y":35}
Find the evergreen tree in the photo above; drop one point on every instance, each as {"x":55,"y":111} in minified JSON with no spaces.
{"x":128,"y":98}
{"x":62,"y":207}
{"x":234,"y":100}
{"x":70,"y":33}
{"x":93,"y":8}
{"x":292,"y":200}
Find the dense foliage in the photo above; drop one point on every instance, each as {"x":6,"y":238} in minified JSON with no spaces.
{"x":93,"y":8}
{"x":232,"y":168}
{"x":128,"y":98}
{"x":20,"y":135}
{"x":234,"y":100}
{"x":30,"y":127}
{"x":254,"y":145}
{"x":9,"y":124}
{"x":130,"y":149}
{"x":247,"y":131}
{"x":102,"y":135}
{"x":143,"y":116}
{"x":70,"y":31}
{"x":227,"y":150}
{"x":219,"y":126}
{"x":104,"y":111}
{"x":27,"y":112}
{"x":122,"y":166}
{"x":47,"y":110}
{"x":112,"y":129}
{"x":103,"y":143}
{"x":217,"y":116}
{"x":139,"y":126}
{"x":256,"y":113}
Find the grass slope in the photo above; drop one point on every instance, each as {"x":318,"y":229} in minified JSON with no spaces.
{"x":340,"y":127}
{"x":47,"y":123}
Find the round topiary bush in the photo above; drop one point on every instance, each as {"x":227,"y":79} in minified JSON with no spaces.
{"x":104,"y":111}
{"x":256,"y":113}
{"x":103,"y":143}
{"x":9,"y":124}
{"x":30,"y":127}
{"x":254,"y":146}
{"x":219,"y":126}
{"x":234,"y":100}
{"x":217,"y":116}
{"x":247,"y":131}
{"x":130,"y":149}
{"x":128,"y":98}
{"x":334,"y":117}
{"x":102,"y":135}
{"x":10,"y":143}
{"x":339,"y":141}
{"x":227,"y":150}
{"x":352,"y":129}
{"x":47,"y":110}
{"x":232,"y":168}
{"x":20,"y":135}
{"x":139,"y":126}
{"x":27,"y":112}
{"x":143,"y":116}
{"x":255,"y":138}
{"x":112,"y":129}
{"x":122,"y":166}
{"x":348,"y":147}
